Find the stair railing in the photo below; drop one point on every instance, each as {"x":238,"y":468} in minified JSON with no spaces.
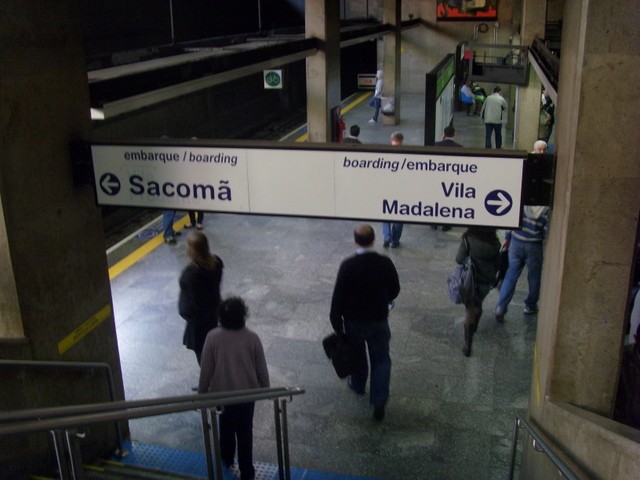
{"x":540,"y":444}
{"x":39,"y":364}
{"x":62,"y":423}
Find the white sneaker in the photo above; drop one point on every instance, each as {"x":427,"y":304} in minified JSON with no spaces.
{"x":372,"y":121}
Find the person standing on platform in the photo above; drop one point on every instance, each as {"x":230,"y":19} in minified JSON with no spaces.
{"x":168,"y":233}
{"x":392,"y":231}
{"x":168,"y":217}
{"x":354,"y":131}
{"x":483,"y":246}
{"x":547,"y":117}
{"x":525,"y":248}
{"x":196,"y":217}
{"x":376,"y":101}
{"x":233,"y":359}
{"x":199,"y":292}
{"x":447,"y":138}
{"x":447,"y":141}
{"x":492,"y":110}
{"x":539,"y":146}
{"x":366,"y":286}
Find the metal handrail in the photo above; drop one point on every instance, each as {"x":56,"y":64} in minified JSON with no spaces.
{"x":43,"y":419}
{"x":549,"y":63}
{"x":74,"y":366}
{"x":541,"y":446}
{"x":61,"y":422}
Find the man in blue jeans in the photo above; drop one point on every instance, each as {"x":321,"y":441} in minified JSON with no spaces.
{"x":365,"y":288}
{"x":169,"y":234}
{"x":525,"y":248}
{"x":376,"y":100}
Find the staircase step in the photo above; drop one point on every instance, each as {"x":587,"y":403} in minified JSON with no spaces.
{"x":110,"y":470}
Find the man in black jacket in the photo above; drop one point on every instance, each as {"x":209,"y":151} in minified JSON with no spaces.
{"x":366,"y":286}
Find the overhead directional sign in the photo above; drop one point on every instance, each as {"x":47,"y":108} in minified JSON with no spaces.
{"x":386,"y":185}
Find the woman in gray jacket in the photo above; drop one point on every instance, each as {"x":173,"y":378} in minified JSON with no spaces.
{"x":233,"y":359}
{"x":484,"y":247}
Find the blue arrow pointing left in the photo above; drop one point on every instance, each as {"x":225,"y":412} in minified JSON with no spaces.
{"x":110,"y":184}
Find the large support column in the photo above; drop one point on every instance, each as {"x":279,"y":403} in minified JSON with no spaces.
{"x":54,"y":234}
{"x":526,"y":126}
{"x":322,"y":21}
{"x":592,"y":234}
{"x":391,"y":68}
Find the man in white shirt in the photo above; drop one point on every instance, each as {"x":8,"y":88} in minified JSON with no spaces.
{"x":492,"y":109}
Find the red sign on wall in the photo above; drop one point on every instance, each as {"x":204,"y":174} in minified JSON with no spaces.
{"x":467,"y":10}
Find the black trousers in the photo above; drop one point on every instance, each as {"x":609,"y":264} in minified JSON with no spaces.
{"x":236,"y":427}
{"x":195,"y":217}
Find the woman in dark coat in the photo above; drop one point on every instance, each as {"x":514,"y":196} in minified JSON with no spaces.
{"x":484,"y":247}
{"x":199,"y":292}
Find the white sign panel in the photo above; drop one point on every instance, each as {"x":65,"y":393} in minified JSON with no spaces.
{"x":272,"y":79}
{"x":421,"y":188}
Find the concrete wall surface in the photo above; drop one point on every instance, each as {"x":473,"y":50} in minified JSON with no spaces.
{"x":53,"y":228}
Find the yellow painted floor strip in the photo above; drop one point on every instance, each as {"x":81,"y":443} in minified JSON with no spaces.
{"x":84,"y":328}
{"x":361,"y":98}
{"x":144,"y":250}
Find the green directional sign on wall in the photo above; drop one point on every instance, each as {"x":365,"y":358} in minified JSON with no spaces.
{"x":273,"y":79}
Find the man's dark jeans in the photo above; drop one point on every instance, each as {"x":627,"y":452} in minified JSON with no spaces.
{"x":376,"y":336}
{"x":491,"y":127}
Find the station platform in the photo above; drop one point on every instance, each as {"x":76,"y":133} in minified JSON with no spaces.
{"x":449,"y":417}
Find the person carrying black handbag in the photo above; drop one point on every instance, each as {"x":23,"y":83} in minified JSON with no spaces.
{"x":366,"y":285}
{"x":482,"y":244}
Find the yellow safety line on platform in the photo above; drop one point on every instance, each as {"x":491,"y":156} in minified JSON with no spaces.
{"x":145,"y":249}
{"x":356,"y":102}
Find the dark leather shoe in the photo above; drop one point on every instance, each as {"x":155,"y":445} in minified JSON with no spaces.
{"x":378,"y":413}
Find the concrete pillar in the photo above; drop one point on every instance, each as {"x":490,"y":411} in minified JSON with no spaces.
{"x":322,"y":21}
{"x":391,"y":67}
{"x":52,"y":230}
{"x":528,"y":111}
{"x":588,"y":256}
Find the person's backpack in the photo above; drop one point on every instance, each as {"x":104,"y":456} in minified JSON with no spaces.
{"x":461,"y":284}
